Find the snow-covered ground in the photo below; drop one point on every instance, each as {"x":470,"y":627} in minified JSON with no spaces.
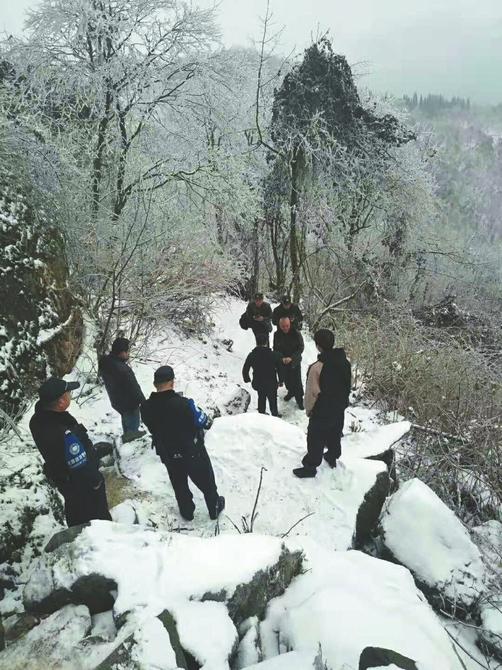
{"x":344,"y":601}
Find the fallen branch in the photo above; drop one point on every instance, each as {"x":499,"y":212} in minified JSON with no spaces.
{"x":296,"y":524}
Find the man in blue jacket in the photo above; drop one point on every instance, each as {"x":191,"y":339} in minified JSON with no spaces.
{"x":70,"y":461}
{"x":177,"y":427}
{"x":122,"y":387}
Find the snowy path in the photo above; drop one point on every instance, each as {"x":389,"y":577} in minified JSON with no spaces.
{"x":241,"y":445}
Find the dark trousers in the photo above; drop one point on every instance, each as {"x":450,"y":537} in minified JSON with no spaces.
{"x":269,"y":394}
{"x":196,"y":467}
{"x":130,"y":421}
{"x":324,"y":433}
{"x":83,"y":504}
{"x":293,"y":381}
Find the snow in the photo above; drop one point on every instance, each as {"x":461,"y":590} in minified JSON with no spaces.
{"x":293,"y":660}
{"x":197,"y":618}
{"x":426,"y":536}
{"x":53,"y":640}
{"x":201,"y":566}
{"x":347,"y":601}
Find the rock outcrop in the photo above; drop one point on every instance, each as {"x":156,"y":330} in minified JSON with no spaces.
{"x":420,"y":532}
{"x":43,"y":325}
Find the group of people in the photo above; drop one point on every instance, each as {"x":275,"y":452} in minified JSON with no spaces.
{"x":328,"y":379}
{"x":177,"y":425}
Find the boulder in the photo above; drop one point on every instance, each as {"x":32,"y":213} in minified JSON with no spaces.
{"x":347,"y":601}
{"x":377,"y":444}
{"x":53,"y":640}
{"x":376,"y":657}
{"x":370,"y":509}
{"x":251,"y":598}
{"x":220,"y":581}
{"x":49,"y":589}
{"x":146,"y":644}
{"x":42,"y":324}
{"x":20,"y":626}
{"x":419,"y":531}
{"x":65,"y":536}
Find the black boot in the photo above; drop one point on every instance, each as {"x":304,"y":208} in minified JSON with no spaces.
{"x":304,"y":472}
{"x":288,"y":396}
{"x":330,"y":460}
{"x":220,"y":506}
{"x":299,"y":402}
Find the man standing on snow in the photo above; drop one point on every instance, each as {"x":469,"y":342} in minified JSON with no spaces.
{"x":70,"y":461}
{"x":326,"y":397}
{"x":266,"y":365}
{"x":288,"y":342}
{"x":122,"y":387}
{"x":177,"y":427}
{"x":287,"y":308}
{"x":259,"y":315}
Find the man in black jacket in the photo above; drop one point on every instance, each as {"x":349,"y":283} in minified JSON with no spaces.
{"x":122,"y":387}
{"x":287,"y":308}
{"x":326,"y":397}
{"x":289,"y":343}
{"x":266,"y":365}
{"x":70,"y":461}
{"x":177,"y":427}
{"x":259,"y":315}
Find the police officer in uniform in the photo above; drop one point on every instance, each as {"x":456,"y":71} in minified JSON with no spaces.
{"x":70,"y":460}
{"x":177,"y":427}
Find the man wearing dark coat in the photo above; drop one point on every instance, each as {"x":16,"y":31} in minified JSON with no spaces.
{"x":70,"y":461}
{"x":267,"y":369}
{"x":177,"y":427}
{"x":122,"y":387}
{"x":259,"y":314}
{"x":289,"y":309}
{"x":288,"y":342}
{"x":326,"y":397}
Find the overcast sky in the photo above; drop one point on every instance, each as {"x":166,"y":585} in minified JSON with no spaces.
{"x":452,"y":47}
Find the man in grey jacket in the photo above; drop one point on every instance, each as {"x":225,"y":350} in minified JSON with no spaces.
{"x":326,"y":397}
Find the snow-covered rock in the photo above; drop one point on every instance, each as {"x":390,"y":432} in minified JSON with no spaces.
{"x":378,"y":443}
{"x":214,"y":583}
{"x":374,"y":658}
{"x":490,"y":634}
{"x":347,"y":601}
{"x":51,"y":643}
{"x":422,"y":533}
{"x":292,"y":660}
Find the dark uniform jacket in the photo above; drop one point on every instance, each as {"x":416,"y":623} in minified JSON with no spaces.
{"x":48,"y":430}
{"x":328,"y":384}
{"x":293,"y":312}
{"x":289,"y":345}
{"x":121,"y":384}
{"x":175,"y":423}
{"x":263,"y":310}
{"x":266,"y":365}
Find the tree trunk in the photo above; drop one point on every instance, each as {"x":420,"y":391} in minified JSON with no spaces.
{"x":293,"y":232}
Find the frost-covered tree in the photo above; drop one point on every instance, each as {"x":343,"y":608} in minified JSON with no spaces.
{"x":111,"y":83}
{"x":317,"y":120}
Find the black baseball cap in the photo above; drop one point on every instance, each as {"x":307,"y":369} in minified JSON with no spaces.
{"x":53,"y":388}
{"x":286,"y":299}
{"x":163,"y":374}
